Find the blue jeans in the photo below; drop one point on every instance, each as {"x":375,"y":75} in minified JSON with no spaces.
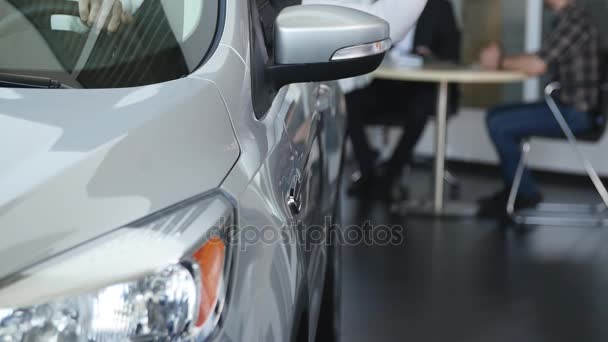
{"x":508,"y":125}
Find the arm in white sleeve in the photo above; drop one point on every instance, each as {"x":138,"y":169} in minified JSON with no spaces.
{"x":131,"y":6}
{"x":400,"y":14}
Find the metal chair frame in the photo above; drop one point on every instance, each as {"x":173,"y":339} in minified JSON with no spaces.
{"x":560,"y":214}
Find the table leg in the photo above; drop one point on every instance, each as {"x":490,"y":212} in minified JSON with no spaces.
{"x":440,"y":143}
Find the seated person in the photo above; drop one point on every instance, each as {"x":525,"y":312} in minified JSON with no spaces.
{"x":435,"y":36}
{"x":570,"y":53}
{"x":93,"y":12}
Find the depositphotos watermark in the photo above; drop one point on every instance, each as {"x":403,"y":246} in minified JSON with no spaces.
{"x":310,"y":236}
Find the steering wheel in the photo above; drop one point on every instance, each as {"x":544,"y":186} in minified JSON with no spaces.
{"x":37,"y":10}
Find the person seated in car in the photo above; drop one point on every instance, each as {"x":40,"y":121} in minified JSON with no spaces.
{"x":435,"y":36}
{"x":107,"y":14}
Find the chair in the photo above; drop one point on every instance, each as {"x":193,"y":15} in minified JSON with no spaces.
{"x":565,"y":214}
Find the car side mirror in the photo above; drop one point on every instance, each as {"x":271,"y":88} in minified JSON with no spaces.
{"x":323,"y":42}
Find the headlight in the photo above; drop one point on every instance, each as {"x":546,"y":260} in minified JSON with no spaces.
{"x":159,"y":305}
{"x":115,"y":289}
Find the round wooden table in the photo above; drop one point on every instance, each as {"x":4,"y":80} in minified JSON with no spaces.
{"x":443,"y":74}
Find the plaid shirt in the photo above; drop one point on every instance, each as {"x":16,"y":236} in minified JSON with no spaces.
{"x":572,"y":53}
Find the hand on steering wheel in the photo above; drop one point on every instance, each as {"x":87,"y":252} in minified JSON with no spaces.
{"x":103,"y":14}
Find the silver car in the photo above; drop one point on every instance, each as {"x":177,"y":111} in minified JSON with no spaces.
{"x":176,"y":179}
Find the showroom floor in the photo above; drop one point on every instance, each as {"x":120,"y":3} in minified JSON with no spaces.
{"x":471,"y":280}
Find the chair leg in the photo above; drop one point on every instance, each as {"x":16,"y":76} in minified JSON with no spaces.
{"x":597,"y":182}
{"x":453,"y":184}
{"x":568,"y":214}
{"x":450,"y":179}
{"x":525,"y":149}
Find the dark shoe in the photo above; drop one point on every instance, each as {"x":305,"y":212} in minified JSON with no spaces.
{"x":390,"y":190}
{"x":527,"y":202}
{"x":359,"y":185}
{"x":389,"y":186}
{"x":497,"y":196}
{"x":495,"y":206}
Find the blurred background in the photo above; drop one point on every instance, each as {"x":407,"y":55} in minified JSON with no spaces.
{"x":519,"y":26}
{"x":472,"y":279}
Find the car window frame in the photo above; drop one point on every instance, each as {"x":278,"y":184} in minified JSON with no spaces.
{"x":219,"y":30}
{"x":263,"y":90}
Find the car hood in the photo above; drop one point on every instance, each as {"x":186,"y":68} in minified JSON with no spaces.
{"x":76,"y":164}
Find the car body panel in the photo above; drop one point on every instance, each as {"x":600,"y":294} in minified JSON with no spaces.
{"x":266,"y":274}
{"x":87,"y":169}
{"x":272,"y":148}
{"x":304,"y":128}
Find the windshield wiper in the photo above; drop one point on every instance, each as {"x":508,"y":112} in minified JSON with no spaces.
{"x":26,"y":81}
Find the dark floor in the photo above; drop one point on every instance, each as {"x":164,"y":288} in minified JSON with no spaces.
{"x":471,"y":280}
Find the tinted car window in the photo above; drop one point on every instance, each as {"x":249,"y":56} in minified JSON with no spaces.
{"x":168,"y":39}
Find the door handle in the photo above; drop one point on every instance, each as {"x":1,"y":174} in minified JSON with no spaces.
{"x":294,"y":197}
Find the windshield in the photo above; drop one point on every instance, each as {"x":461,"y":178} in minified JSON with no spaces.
{"x":106,"y":43}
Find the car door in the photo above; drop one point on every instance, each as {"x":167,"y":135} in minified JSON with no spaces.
{"x":330,"y":102}
{"x":308,"y":179}
{"x":307,"y":192}
{"x":301,"y":173}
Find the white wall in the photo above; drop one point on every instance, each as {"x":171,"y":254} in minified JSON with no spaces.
{"x":533,"y":41}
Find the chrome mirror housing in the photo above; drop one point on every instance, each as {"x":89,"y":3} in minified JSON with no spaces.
{"x":326,"y":42}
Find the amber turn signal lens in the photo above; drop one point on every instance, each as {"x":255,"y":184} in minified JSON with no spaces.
{"x":210,"y":258}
